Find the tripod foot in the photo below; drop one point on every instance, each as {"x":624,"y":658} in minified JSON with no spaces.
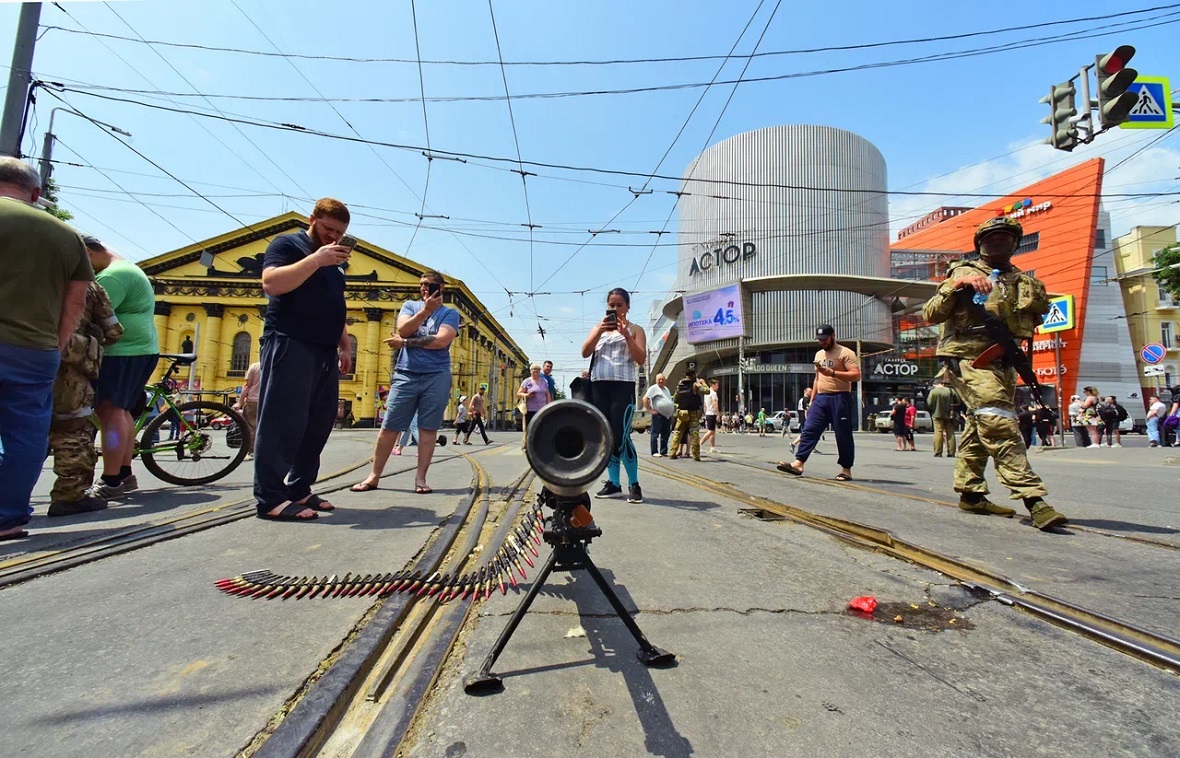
{"x":483,"y":684}
{"x":656,"y":658}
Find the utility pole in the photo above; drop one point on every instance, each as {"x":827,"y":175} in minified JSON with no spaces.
{"x":20,"y":76}
{"x":50,"y":137}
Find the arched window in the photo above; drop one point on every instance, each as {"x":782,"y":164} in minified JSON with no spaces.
{"x":241,"y":355}
{"x":352,"y":351}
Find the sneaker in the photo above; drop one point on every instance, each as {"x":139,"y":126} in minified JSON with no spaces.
{"x":608,"y":490}
{"x":714,"y":451}
{"x":130,"y":484}
{"x":88,"y":503}
{"x":634,"y":493}
{"x":656,"y":455}
{"x":1044,"y":517}
{"x":104,"y":491}
{"x":986,"y":507}
{"x":1153,"y":445}
{"x":1105,"y":444}
{"x":1117,"y":444}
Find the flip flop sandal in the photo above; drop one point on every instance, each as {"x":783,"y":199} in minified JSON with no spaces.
{"x":423,"y":490}
{"x":317,"y":503}
{"x":363,"y":487}
{"x":290,"y":513}
{"x":842,"y":477}
{"x":15,"y":535}
{"x":787,"y":468}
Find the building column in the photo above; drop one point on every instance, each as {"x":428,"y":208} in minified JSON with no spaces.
{"x":368,"y":355}
{"x":162,"y":314}
{"x":210,"y":347}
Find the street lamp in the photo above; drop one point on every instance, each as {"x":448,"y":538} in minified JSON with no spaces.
{"x":47,"y":147}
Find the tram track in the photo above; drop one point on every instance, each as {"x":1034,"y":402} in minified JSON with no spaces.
{"x":363,"y":700}
{"x":32,"y":565}
{"x":1157,"y":649}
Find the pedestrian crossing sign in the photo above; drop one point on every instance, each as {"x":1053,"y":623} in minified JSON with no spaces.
{"x":1060,"y":317}
{"x":1154,"y":108}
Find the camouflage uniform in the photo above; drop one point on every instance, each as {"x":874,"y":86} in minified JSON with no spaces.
{"x":71,"y":434}
{"x":688,"y":423}
{"x":989,"y":393}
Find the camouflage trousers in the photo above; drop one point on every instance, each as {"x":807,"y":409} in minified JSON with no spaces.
{"x":944,"y":433}
{"x":71,"y":436}
{"x":991,"y":431}
{"x":687,"y":423}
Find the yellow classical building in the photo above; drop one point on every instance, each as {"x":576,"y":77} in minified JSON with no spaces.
{"x":1153,"y":315}
{"x":209,"y":297}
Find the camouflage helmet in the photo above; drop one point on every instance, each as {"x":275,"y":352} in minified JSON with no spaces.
{"x":998,"y":224}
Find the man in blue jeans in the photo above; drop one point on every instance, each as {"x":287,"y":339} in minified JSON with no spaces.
{"x":836,"y":368}
{"x":43,"y":291}
{"x":305,"y":348}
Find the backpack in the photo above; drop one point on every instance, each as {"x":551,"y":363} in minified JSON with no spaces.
{"x":687,"y":398}
{"x":1121,"y":411}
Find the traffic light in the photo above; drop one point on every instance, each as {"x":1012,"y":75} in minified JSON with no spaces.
{"x":1061,"y":117}
{"x":1114,"y":102}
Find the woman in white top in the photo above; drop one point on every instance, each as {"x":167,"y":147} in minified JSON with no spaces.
{"x":618,"y":346}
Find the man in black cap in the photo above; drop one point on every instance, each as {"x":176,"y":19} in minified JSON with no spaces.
{"x":836,"y":368}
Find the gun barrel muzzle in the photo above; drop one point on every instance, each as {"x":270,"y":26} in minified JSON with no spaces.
{"x":568,"y":445}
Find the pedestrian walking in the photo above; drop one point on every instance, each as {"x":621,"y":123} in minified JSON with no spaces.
{"x":43,"y":291}
{"x":836,"y":368}
{"x":711,"y":402}
{"x":461,"y":412}
{"x":1111,"y":414}
{"x":941,"y":403}
{"x":475,"y":417}
{"x":1156,"y":412}
{"x":304,"y":350}
{"x":1043,"y":418}
{"x":658,"y":402}
{"x":247,"y":403}
{"x":989,"y":390}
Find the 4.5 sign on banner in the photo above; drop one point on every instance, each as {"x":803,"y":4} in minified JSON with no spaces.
{"x":714,"y":314}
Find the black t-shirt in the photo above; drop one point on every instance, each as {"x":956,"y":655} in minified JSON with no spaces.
{"x":313,"y":312}
{"x":1025,"y":418}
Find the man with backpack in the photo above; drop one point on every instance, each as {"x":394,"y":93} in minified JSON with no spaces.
{"x":689,"y":399}
{"x":1111,"y":414}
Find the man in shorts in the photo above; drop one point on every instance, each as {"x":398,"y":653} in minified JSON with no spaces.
{"x":126,"y":366}
{"x":711,"y":401}
{"x":425,"y":330}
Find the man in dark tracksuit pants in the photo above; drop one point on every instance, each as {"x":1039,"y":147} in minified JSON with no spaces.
{"x":836,"y":368}
{"x":305,"y":348}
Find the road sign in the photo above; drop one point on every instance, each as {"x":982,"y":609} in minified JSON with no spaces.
{"x":1153,"y":370}
{"x":1152,"y":352}
{"x":1060,"y":317}
{"x":1154,"y":107}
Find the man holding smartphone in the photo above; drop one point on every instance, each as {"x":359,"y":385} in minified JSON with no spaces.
{"x":305,"y":348}
{"x":425,"y":330}
{"x":836,"y":368}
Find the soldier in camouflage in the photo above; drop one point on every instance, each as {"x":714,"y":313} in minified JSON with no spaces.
{"x":689,"y":410}
{"x":71,"y":434}
{"x":989,"y":391}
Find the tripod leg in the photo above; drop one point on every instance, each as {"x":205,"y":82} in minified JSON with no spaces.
{"x":484,"y":680}
{"x":648,"y":653}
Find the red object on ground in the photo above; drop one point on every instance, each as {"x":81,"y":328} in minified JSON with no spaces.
{"x":866,"y":603}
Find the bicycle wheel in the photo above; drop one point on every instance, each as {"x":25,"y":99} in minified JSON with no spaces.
{"x":200,"y":450}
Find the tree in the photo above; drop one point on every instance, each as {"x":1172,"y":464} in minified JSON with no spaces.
{"x":559,"y":395}
{"x":49,"y":194}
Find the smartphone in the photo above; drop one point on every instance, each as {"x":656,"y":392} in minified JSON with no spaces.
{"x":817,"y":364}
{"x":612,"y":318}
{"x":348,"y":241}
{"x":432,"y":289}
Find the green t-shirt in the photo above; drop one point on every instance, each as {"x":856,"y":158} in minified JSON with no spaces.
{"x":39,"y":256}
{"x":135,"y":305}
{"x":939,"y":401}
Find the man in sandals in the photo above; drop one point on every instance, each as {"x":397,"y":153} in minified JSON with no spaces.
{"x":836,"y":368}
{"x":305,"y":348}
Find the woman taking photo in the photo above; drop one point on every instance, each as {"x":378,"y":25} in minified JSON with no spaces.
{"x":615,"y":347}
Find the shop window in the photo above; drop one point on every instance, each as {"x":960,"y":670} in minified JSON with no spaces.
{"x":1028,"y":243}
{"x":240,"y":358}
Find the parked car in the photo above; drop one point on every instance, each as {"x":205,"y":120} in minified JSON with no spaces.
{"x":923,"y":422}
{"x":882,"y":422}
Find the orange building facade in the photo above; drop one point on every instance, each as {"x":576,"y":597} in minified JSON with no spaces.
{"x":1067,"y":247}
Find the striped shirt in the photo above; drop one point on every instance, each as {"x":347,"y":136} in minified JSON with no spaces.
{"x":612,"y":359}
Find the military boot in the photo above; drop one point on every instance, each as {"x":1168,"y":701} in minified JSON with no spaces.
{"x":1044,"y":516}
{"x":88,"y":503}
{"x":981,"y":505}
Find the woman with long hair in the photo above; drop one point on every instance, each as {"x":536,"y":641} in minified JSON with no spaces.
{"x":1088,"y":416}
{"x":617,"y":347}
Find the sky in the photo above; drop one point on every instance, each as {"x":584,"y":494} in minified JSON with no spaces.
{"x":327,"y":99}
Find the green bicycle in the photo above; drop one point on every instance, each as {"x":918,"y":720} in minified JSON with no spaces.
{"x":188,"y":443}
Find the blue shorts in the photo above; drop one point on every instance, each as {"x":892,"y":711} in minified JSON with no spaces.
{"x":121,"y":379}
{"x":424,"y":394}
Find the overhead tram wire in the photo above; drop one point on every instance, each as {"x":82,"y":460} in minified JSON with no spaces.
{"x":1096,"y":32}
{"x":543,"y":164}
{"x":625,"y":61}
{"x":708,"y":139}
{"x":524,"y":184}
{"x":357,"y":138}
{"x":655,"y":171}
{"x":192,"y":116}
{"x":426,"y":128}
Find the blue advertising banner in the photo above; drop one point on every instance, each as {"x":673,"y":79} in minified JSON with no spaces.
{"x":714,"y":314}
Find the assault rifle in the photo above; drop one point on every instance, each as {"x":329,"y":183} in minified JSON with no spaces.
{"x":1004,"y":344}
